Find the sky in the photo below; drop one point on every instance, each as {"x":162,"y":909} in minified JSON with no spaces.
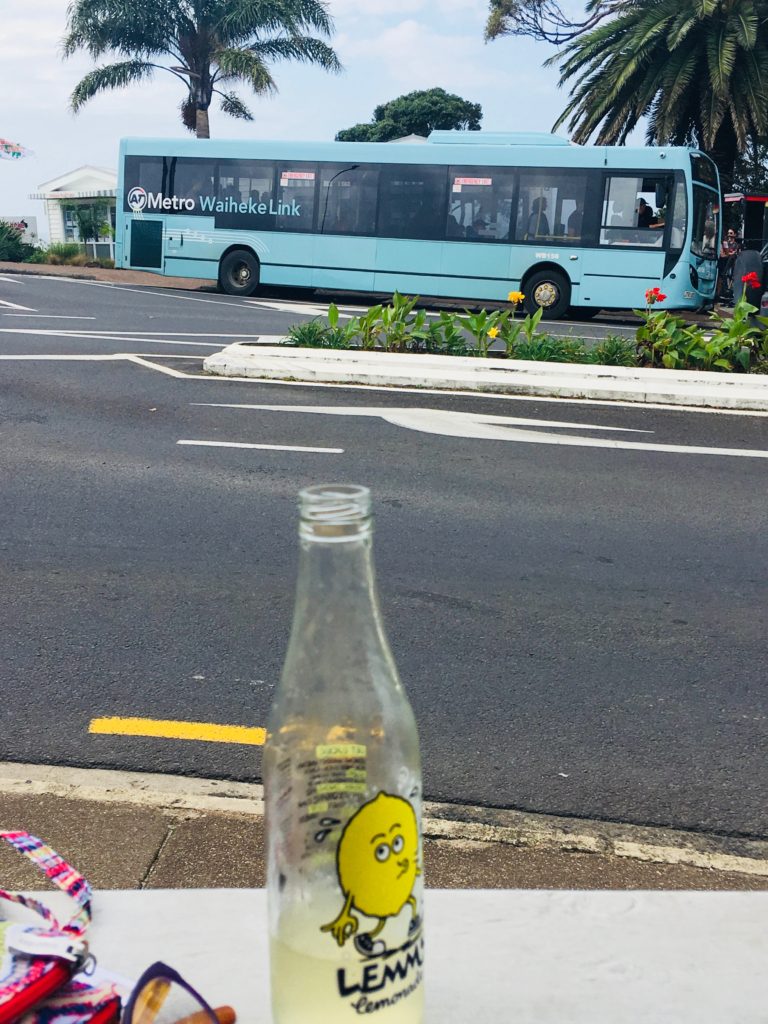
{"x":387,"y":47}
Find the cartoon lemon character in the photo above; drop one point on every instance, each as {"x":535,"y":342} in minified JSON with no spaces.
{"x":378,"y":863}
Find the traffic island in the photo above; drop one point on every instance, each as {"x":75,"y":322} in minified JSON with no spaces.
{"x":689,"y":388}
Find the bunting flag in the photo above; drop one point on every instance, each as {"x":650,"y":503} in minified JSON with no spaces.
{"x":12,"y":150}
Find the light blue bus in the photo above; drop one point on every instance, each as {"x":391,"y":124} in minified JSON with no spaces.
{"x":470,"y":215}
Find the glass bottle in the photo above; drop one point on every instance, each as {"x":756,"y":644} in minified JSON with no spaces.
{"x":342,"y":780}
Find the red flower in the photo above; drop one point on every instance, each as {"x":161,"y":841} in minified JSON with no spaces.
{"x":751,"y":280}
{"x":654,"y":295}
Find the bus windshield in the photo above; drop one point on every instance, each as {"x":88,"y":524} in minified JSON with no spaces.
{"x":706,"y":223}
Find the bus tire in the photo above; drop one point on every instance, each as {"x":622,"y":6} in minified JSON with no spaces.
{"x":239,"y":272}
{"x":748,"y":261}
{"x":548,"y":289}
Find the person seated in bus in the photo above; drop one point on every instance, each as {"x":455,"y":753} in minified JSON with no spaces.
{"x":538,"y":225}
{"x":453,"y":228}
{"x":646,"y":218}
{"x":477,"y":229}
{"x":573,"y":227}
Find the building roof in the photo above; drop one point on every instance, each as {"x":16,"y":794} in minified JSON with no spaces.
{"x":84,"y":182}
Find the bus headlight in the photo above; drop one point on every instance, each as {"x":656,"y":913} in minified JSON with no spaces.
{"x":694,"y":277}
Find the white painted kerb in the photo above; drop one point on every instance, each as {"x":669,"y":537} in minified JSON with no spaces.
{"x":494,"y":376}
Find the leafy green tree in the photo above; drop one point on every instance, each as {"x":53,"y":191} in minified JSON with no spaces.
{"x":417,"y":113}
{"x":697,"y":69}
{"x":92,"y":221}
{"x":206,"y":44}
{"x":12,"y":248}
{"x":546,"y":20}
{"x":750,"y":173}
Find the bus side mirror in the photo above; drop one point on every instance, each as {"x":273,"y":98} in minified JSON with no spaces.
{"x":661,"y":195}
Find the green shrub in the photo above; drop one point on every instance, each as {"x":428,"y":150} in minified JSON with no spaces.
{"x":311,"y":334}
{"x":107,"y":264}
{"x":64,"y":252}
{"x":37,"y":256}
{"x":548,"y":349}
{"x":614,"y":350}
{"x":12,"y":248}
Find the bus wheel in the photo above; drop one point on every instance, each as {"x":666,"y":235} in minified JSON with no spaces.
{"x":549,"y":289}
{"x":239,"y":273}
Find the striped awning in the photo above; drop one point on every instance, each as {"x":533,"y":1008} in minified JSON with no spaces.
{"x":94,"y":193}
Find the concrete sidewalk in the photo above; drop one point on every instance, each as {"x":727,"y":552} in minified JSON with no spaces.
{"x":105,"y":275}
{"x":266,"y":360}
{"x":133,"y":831}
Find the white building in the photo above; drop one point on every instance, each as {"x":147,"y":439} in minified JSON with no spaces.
{"x":79,"y":188}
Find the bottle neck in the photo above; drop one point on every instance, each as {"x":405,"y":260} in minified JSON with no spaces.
{"x":336,"y":584}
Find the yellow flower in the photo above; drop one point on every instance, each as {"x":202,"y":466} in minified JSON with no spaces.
{"x":515,"y":297}
{"x":494,"y":332}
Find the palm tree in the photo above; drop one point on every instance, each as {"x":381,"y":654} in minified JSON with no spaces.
{"x":697,"y":69}
{"x":207,"y":44}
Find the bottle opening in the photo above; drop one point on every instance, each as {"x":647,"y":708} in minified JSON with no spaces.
{"x":334,"y":511}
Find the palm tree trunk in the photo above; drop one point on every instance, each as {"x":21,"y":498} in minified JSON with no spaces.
{"x":202,"y":129}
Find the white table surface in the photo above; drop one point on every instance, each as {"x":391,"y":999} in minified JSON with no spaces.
{"x":507,"y":956}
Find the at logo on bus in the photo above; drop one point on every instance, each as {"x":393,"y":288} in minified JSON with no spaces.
{"x":137,"y":198}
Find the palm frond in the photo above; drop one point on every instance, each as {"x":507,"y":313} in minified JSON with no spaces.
{"x":111,"y":76}
{"x":232,"y":104}
{"x":300,"y":48}
{"x":244,"y":66}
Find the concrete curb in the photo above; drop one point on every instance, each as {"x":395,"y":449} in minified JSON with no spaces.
{"x":493,"y":376}
{"x":456,"y":823}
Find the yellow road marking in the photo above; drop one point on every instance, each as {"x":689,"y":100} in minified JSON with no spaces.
{"x":209,"y":732}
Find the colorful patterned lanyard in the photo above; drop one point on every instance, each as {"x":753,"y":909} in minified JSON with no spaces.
{"x":61,"y":874}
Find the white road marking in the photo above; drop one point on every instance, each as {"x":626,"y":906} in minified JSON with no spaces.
{"x":50,"y":316}
{"x":475,"y":425}
{"x":265,"y":447}
{"x":146,"y":362}
{"x":124,"y":288}
{"x":95,"y":358}
{"x":10,"y":280}
{"x":467,"y":418}
{"x":15,"y":305}
{"x":295,"y":307}
{"x":163,"y":334}
{"x":102,"y":336}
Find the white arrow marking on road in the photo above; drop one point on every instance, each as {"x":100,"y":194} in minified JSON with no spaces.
{"x":498,"y":428}
{"x":266,"y":447}
{"x":15,"y":305}
{"x":293,"y":307}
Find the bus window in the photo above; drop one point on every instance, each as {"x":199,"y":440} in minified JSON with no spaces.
{"x":148,"y":172}
{"x":550,"y":206}
{"x":295,"y":201}
{"x":412,"y":201}
{"x":192,"y":177}
{"x":679,"y":217}
{"x":629,"y":211}
{"x":479,"y":203}
{"x":347,"y":204}
{"x":245,"y":182}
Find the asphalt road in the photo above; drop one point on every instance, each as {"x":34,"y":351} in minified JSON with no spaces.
{"x":581,"y":630}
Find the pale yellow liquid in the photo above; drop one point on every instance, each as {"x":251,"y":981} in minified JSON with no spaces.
{"x":305,"y":990}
